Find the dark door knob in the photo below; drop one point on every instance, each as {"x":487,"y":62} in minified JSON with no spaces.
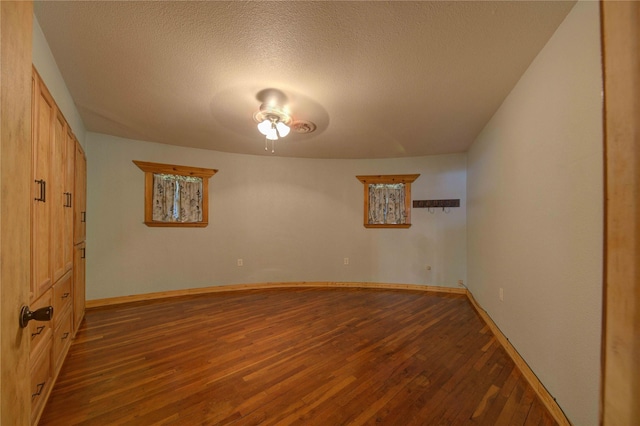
{"x":42,"y":314}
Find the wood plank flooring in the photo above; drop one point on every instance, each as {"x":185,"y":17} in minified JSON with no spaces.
{"x":312,"y":356}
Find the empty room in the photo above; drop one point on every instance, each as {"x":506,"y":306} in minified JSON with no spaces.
{"x":318,"y":213}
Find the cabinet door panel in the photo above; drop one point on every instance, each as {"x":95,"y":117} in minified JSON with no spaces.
{"x":61,"y":339}
{"x":40,"y":331}
{"x":79,"y":285}
{"x":58,"y":198}
{"x":43,"y":113}
{"x":80,"y":209}
{"x":62,"y":294}
{"x":69,"y":192}
{"x":41,"y":380}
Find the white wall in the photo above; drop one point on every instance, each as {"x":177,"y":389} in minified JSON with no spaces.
{"x":535,"y":215}
{"x":46,"y":66}
{"x":289,"y":220}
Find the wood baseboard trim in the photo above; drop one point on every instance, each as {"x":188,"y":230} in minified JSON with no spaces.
{"x":239,"y":287}
{"x":542,"y":392}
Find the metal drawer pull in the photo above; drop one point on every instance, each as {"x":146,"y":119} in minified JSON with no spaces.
{"x":38,"y":331}
{"x":64,"y":336}
{"x":64,"y":296}
{"x":43,"y":190}
{"x":83,"y":216}
{"x":39,"y":388}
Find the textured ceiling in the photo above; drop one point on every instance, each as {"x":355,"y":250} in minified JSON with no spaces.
{"x":380,"y":79}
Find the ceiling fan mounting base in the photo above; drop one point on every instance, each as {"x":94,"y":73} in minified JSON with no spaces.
{"x":271,"y":112}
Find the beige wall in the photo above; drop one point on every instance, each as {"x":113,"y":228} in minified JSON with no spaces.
{"x":289,"y":219}
{"x":535,"y":210}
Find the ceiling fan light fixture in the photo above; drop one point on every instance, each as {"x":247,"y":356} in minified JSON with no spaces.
{"x":283,"y":129}
{"x":274,"y":118}
{"x":272,"y":134}
{"x":273,"y":129}
{"x":273,"y":122}
{"x":265,"y":126}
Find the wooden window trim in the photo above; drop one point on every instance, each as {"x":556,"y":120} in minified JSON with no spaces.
{"x":389,"y":179}
{"x":150,"y":169}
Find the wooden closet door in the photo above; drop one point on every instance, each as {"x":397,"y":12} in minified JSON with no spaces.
{"x":58,"y":197}
{"x":80,"y":207}
{"x":43,"y":130}
{"x":79,"y":285}
{"x":70,"y":198}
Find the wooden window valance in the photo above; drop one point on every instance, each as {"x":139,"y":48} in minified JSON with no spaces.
{"x":387,"y":200}
{"x":175,"y":195}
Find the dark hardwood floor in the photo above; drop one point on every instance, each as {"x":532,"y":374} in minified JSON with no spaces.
{"x":314,"y":356}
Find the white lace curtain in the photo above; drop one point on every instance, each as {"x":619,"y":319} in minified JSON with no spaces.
{"x":386,"y":204}
{"x":177,"y":198}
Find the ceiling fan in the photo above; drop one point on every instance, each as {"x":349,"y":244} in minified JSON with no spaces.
{"x":274,"y":118}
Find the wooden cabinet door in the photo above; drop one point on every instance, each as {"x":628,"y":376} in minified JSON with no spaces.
{"x":79,"y":284}
{"x":43,"y":119}
{"x":58,"y":196}
{"x":41,"y":382}
{"x":79,"y":233}
{"x":80,"y":209}
{"x":69,"y":193}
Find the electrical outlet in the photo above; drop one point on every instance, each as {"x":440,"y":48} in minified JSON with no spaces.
{"x":346,"y":260}
{"x":240,"y":262}
{"x":501,"y":295}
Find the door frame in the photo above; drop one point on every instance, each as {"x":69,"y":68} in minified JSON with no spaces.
{"x":16,"y":21}
{"x":621,"y":338}
{"x":620,"y":391}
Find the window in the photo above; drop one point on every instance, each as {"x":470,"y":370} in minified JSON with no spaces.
{"x":387,"y":200}
{"x":175,"y":195}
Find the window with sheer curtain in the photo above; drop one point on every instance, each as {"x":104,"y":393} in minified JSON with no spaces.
{"x":177,"y":198}
{"x":175,"y":195}
{"x":386,"y":204}
{"x":387,"y":200}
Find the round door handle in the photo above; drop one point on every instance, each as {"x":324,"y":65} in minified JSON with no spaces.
{"x":42,"y":314}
